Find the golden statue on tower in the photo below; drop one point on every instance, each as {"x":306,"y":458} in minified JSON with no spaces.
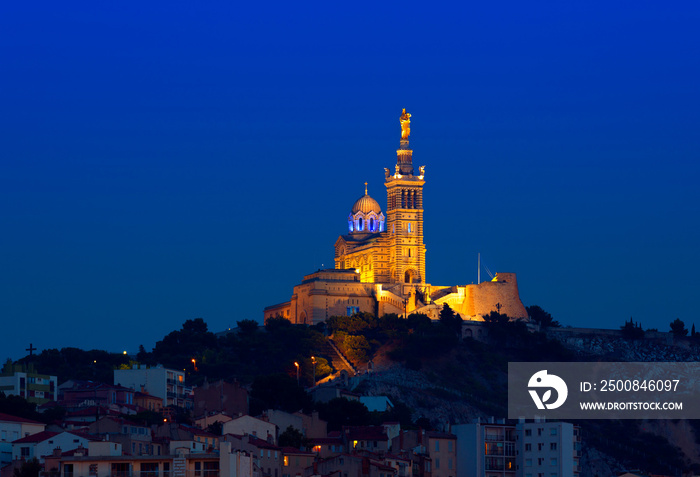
{"x":405,"y":120}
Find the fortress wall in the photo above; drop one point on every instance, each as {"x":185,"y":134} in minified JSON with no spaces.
{"x":481,"y":299}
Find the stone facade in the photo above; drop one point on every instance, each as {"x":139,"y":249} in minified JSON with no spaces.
{"x":381,"y":268}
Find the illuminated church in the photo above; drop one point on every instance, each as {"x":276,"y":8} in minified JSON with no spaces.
{"x":380,"y":262}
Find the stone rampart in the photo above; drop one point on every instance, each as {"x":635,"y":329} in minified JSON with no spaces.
{"x":486,"y":297}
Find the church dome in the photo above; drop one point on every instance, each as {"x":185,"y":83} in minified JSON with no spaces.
{"x":366,"y":216}
{"x":366,"y":204}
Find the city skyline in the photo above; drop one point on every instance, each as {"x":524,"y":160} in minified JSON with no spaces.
{"x":162,"y":164}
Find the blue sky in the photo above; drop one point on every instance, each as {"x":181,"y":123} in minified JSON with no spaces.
{"x":162,"y":161}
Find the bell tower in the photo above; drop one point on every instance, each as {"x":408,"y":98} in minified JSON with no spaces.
{"x":405,"y":213}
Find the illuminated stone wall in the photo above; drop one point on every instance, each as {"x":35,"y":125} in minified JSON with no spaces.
{"x":483,"y":298}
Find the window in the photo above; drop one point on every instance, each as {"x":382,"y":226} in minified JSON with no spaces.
{"x":24,"y":452}
{"x":211,"y":469}
{"x":553,"y":461}
{"x":449,"y":464}
{"x":553,"y":446}
{"x":528,"y":462}
{"x":528,"y":447}
{"x":528,"y":432}
{"x":540,"y":446}
{"x":285,"y":461}
{"x":149,"y":469}
{"x":553,"y":431}
{"x":166,"y":469}
{"x":67,"y":470}
{"x":449,"y":447}
{"x":437,"y":446}
{"x":437,"y":464}
{"x":120,"y":470}
{"x":540,"y":431}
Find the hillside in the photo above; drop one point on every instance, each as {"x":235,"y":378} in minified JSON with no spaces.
{"x":424,"y":366}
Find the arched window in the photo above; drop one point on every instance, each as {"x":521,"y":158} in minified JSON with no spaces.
{"x":371,"y":224}
{"x":359,"y":223}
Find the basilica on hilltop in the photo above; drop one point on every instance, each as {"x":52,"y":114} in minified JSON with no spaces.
{"x":380,"y":262}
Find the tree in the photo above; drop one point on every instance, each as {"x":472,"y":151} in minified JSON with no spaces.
{"x":451,"y":320}
{"x":356,"y":348}
{"x":30,"y":468}
{"x":277,"y":391}
{"x":678,"y":328}
{"x":339,"y":412}
{"x":247,"y":327}
{"x":292,"y":437}
{"x":216,"y":427}
{"x":17,"y":406}
{"x":541,"y":317}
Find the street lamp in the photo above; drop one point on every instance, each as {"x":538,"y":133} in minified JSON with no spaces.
{"x":297,"y":365}
{"x":313,"y":361}
{"x":194,"y":364}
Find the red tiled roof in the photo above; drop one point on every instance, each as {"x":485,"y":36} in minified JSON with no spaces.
{"x":326,"y":440}
{"x":293,"y":450}
{"x":38,"y":437}
{"x":42,"y":436}
{"x":366,"y":433}
{"x":9,"y":418}
{"x":261,"y":443}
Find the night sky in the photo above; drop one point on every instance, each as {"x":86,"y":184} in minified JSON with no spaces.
{"x":162,"y":161}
